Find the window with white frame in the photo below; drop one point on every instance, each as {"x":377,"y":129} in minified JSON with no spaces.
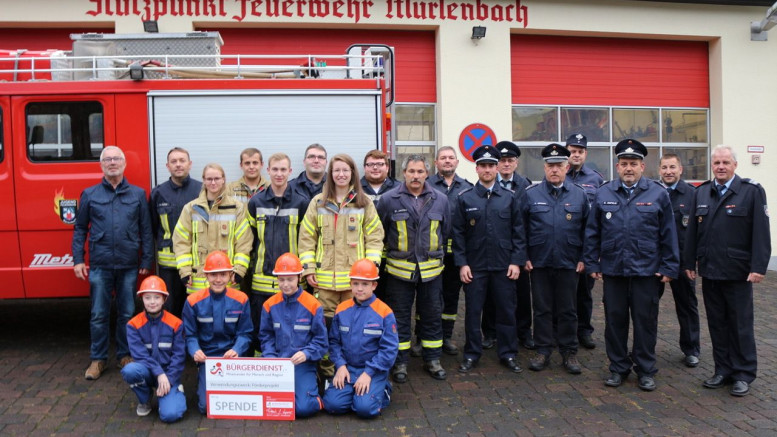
{"x":683,"y":131}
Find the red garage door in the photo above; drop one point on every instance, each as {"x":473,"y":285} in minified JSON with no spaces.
{"x":609,"y":71}
{"x":414,"y":51}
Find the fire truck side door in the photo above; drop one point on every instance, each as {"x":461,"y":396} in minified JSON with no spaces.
{"x":10,"y":258}
{"x":57,"y":142}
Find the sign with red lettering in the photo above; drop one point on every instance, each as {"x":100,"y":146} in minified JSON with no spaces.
{"x":474,"y":136}
{"x":250,"y":388}
{"x":346,"y":10}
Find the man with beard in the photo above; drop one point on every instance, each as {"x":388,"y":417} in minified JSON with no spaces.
{"x":376,"y":180}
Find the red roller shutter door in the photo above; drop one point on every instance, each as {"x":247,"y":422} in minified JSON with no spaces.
{"x":558,"y":70}
{"x":416,"y":79}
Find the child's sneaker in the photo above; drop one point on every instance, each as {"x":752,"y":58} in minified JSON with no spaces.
{"x":143,"y":410}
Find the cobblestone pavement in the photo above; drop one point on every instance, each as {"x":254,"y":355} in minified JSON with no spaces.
{"x":44,"y":351}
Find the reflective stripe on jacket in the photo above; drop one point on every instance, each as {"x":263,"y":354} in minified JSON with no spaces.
{"x":415,"y":237}
{"x":201,"y":230}
{"x":275,"y":222}
{"x":293,"y":323}
{"x":158,"y":344}
{"x":332,"y":238}
{"x":166,"y":203}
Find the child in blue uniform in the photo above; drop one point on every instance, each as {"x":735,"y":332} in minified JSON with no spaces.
{"x":363,"y":345}
{"x":155,"y":339}
{"x":292,"y":326}
{"x":217,"y":320}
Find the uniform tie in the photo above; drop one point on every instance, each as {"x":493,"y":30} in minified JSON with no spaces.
{"x":721,"y":189}
{"x":506,"y":184}
{"x":555,"y":192}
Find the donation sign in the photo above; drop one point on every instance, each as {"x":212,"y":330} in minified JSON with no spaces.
{"x":250,"y":388}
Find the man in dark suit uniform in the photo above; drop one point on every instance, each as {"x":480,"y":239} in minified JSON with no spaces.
{"x":683,"y":289}
{"x":728,"y":237}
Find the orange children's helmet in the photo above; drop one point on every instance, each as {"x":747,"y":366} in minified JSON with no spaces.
{"x":287,"y":264}
{"x":217,"y":261}
{"x":364,"y":269}
{"x":153,"y":284}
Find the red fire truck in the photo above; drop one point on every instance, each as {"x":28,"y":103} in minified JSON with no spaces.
{"x":140,"y":92}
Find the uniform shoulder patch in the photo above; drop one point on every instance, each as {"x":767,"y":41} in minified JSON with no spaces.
{"x":381,"y":308}
{"x":750,"y":181}
{"x":272,"y":301}
{"x":309,"y":302}
{"x":171,"y":321}
{"x":237,"y":295}
{"x":197,"y":296}
{"x":344,"y":306}
{"x":139,"y":320}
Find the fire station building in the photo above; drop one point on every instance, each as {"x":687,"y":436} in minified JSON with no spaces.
{"x":680,"y":76}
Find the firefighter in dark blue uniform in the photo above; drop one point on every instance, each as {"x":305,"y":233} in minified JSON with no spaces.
{"x":631,"y":242}
{"x":686,"y":305}
{"x":510,"y":179}
{"x":166,"y":202}
{"x":554,"y":216}
{"x":448,"y":182}
{"x":728,"y":236}
{"x":489,"y":246}
{"x":590,"y":180}
{"x":416,"y":219}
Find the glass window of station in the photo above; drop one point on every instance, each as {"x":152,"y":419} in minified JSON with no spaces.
{"x":415,"y":133}
{"x":682,"y":131}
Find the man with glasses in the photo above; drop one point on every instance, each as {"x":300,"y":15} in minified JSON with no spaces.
{"x":311,"y":180}
{"x":376,"y":180}
{"x":116,"y":216}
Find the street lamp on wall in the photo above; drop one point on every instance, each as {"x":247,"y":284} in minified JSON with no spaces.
{"x":478,"y":32}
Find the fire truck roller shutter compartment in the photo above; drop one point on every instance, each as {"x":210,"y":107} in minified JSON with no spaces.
{"x":216,"y":126}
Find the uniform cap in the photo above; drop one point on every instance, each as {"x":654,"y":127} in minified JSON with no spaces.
{"x":287,"y":265}
{"x":486,"y":154}
{"x":577,"y":139}
{"x":217,"y":261}
{"x":364,"y":269}
{"x":555,"y":152}
{"x":153,"y":284}
{"x":630,"y":148}
{"x":508,"y":148}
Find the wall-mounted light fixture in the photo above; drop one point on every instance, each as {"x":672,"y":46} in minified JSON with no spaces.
{"x":758,"y":29}
{"x":150,"y":26}
{"x":478,"y":32}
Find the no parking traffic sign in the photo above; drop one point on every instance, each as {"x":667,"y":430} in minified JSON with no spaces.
{"x":474,"y":136}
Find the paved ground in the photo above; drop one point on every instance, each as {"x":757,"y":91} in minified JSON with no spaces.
{"x":44,"y":352}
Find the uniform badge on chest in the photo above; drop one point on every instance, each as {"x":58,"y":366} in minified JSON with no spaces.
{"x":569,"y":216}
{"x":608,"y":215}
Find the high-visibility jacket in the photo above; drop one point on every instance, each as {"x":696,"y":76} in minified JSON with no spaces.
{"x":241,"y":192}
{"x":275,"y":222}
{"x":334,"y":237}
{"x":201,"y":230}
{"x":167,"y":201}
{"x":415,"y":234}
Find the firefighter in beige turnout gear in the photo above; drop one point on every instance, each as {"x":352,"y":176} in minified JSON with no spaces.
{"x":213,"y":221}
